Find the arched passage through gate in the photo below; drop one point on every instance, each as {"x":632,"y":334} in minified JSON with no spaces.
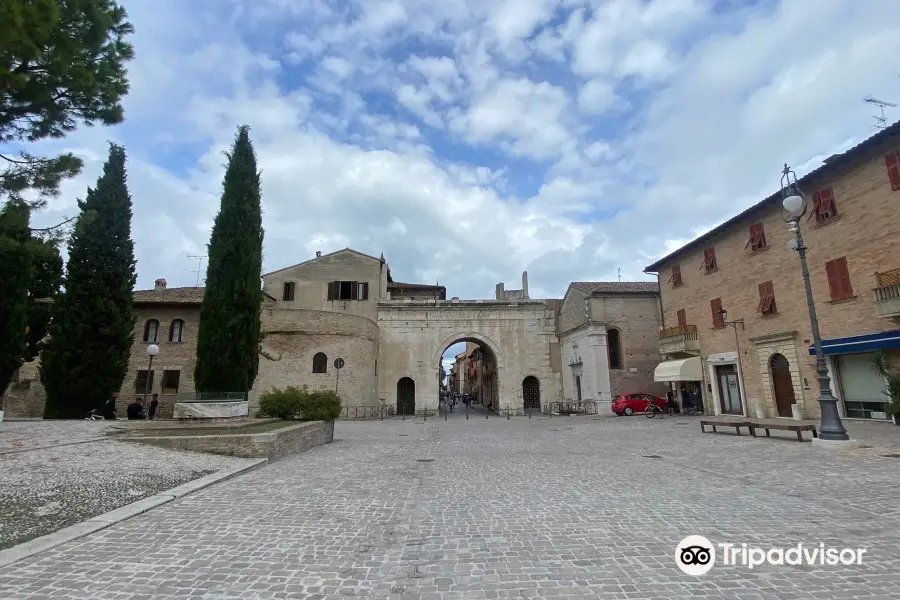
{"x":468,"y":366}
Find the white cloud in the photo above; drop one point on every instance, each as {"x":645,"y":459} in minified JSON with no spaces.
{"x":471,"y":140}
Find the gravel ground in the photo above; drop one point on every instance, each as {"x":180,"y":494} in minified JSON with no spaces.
{"x":53,"y":476}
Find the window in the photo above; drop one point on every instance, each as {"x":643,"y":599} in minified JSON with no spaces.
{"x":151,"y":331}
{"x":320,"y":363}
{"x":176,"y":331}
{"x":838,"y":278}
{"x":892,"y":162}
{"x":715,"y":306}
{"x":142,"y":383}
{"x":823,"y":205}
{"x":288,"y":293}
{"x":170,"y":381}
{"x":675,"y":278}
{"x":614,"y":348}
{"x":348,"y":290}
{"x":682,"y":318}
{"x":709,"y":260}
{"x":766,"y":304}
{"x":757,"y":240}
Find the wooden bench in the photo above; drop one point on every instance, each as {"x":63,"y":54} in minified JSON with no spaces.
{"x":798,"y":427}
{"x":736,"y":423}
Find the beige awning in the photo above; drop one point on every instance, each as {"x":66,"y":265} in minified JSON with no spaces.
{"x":685,"y":369}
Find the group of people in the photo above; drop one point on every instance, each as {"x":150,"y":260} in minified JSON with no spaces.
{"x":135,"y":410}
{"x":451,"y":399}
{"x":691,"y":399}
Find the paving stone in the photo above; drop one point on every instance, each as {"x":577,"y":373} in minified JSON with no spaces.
{"x":508,"y":509}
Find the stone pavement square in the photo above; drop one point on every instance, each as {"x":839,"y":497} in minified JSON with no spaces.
{"x":543,"y":508}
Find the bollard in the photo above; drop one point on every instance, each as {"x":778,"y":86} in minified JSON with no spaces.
{"x":507,"y":413}
{"x":529,"y":413}
{"x":403,"y":413}
{"x":355,"y":412}
{"x":445,"y":415}
{"x":467,"y":412}
{"x":487,"y":412}
{"x":382,"y":413}
{"x":425,"y":412}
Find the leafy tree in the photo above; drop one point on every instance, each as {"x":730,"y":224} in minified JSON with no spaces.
{"x":15,"y":265}
{"x":86,"y":356}
{"x":228,"y":342}
{"x":61,"y":62}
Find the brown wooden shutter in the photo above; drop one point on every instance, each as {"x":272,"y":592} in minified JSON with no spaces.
{"x":892,"y":162}
{"x":834,"y":279}
{"x":715,"y":306}
{"x":331,"y":289}
{"x":354,"y":290}
{"x":844,"y":275}
{"x":365,"y":291}
{"x":682,"y":318}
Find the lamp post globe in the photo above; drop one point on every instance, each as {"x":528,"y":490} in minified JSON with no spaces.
{"x":152,"y":350}
{"x":794,"y":206}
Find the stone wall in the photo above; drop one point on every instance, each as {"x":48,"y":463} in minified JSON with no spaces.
{"x":294,"y":336}
{"x":866,"y":231}
{"x":413,"y":337}
{"x":274,"y":444}
{"x":25,"y":397}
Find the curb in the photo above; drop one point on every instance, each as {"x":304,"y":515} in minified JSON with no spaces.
{"x":78,"y":530}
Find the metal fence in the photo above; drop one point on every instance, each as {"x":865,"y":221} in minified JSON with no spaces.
{"x":212,"y":397}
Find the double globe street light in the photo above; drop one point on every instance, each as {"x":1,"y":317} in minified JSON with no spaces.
{"x":794,"y":205}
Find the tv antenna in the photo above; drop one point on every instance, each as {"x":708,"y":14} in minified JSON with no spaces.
{"x":620,"y":273}
{"x":199,"y":270}
{"x":880,"y":122}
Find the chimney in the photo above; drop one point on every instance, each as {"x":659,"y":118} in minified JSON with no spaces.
{"x":318,"y":254}
{"x":525,"y":285}
{"x":159,"y":285}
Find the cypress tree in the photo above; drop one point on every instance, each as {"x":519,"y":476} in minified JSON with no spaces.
{"x":86,"y":357}
{"x":229,"y":335}
{"x":15,"y":265}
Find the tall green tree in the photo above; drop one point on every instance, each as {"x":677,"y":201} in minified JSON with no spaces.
{"x":62,"y":62}
{"x":228,"y":342}
{"x":86,"y":356}
{"x":15,"y":265}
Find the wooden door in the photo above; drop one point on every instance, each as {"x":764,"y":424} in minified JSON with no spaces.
{"x":406,"y":396}
{"x":782,"y":385}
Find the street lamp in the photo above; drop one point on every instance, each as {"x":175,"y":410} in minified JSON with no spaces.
{"x":736,"y":323}
{"x":794,"y":205}
{"x":152,"y":350}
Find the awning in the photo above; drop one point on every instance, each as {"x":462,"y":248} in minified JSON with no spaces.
{"x":685,"y":369}
{"x":860,"y":343}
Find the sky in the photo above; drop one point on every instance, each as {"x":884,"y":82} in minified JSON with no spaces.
{"x":470,"y":140}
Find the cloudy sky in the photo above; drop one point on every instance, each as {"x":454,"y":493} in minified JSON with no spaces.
{"x":470,"y":140}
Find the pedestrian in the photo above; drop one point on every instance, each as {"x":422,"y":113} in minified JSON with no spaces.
{"x":154,"y":404}
{"x":109,"y":409}
{"x":135,"y":410}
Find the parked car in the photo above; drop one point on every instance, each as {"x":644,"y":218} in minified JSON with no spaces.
{"x":628,"y":404}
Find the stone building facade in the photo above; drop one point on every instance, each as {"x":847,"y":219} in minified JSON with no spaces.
{"x":756,"y":359}
{"x":391,"y":336}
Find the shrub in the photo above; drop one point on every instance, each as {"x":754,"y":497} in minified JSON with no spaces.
{"x":299,"y":403}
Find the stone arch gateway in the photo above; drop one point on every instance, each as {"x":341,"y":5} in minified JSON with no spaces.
{"x":520,"y":335}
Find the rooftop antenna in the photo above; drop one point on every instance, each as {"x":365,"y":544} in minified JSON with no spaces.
{"x":880,"y":122}
{"x":620,"y":273}
{"x":199,"y":270}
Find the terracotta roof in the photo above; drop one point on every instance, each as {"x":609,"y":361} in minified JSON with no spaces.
{"x":396,"y":285}
{"x":831,"y":164}
{"x":617,"y":287}
{"x":182,"y":295}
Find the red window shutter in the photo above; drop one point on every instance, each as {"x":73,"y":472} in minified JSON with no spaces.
{"x":844,"y":274}
{"x":712,"y":258}
{"x":892,"y":162}
{"x":834,"y":280}
{"x":838,"y":274}
{"x":826,"y":204}
{"x":715,"y":306}
{"x":762,"y":297}
{"x":676,"y":274}
{"x":817,"y":202}
{"x":682,"y":318}
{"x":332,"y":285}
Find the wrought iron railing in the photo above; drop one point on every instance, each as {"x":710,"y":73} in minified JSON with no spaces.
{"x":688,"y":331}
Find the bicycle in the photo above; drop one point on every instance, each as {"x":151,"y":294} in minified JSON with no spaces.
{"x":654,"y":409}
{"x":93,"y":416}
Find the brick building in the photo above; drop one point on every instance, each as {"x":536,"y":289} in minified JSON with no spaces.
{"x":747,"y":268}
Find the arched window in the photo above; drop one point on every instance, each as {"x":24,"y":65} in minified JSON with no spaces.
{"x":176,"y":331}
{"x":320,"y":363}
{"x":151,"y":331}
{"x":614,"y":348}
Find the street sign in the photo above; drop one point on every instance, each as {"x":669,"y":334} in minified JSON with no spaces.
{"x":339,"y":363}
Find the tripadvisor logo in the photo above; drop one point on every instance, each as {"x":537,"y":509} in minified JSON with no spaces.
{"x":696,"y":555}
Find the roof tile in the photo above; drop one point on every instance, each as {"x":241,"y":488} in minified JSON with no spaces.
{"x":617,"y":287}
{"x":182,"y":295}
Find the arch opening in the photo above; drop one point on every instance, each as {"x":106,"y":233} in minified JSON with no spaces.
{"x":782,"y":385}
{"x":468,"y":372}
{"x":406,"y":396}
{"x":531,"y":393}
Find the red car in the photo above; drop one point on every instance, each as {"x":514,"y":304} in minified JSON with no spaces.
{"x":628,"y":404}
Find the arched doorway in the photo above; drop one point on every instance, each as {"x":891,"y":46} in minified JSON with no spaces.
{"x":531,"y":393}
{"x":406,"y":396}
{"x":782,"y":384}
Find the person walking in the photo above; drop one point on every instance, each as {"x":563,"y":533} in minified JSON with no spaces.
{"x":109,"y":409}
{"x":154,"y":404}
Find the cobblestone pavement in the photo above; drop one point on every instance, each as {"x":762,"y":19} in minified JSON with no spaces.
{"x":57,"y":473}
{"x":543,"y":508}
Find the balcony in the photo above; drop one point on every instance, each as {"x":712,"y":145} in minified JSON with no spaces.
{"x":887,"y":294}
{"x":681,"y":339}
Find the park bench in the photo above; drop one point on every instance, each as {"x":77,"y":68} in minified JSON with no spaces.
{"x":784,"y":426}
{"x":736,"y":423}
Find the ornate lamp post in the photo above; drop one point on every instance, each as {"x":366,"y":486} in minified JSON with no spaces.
{"x":794,"y":206}
{"x":152,"y":350}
